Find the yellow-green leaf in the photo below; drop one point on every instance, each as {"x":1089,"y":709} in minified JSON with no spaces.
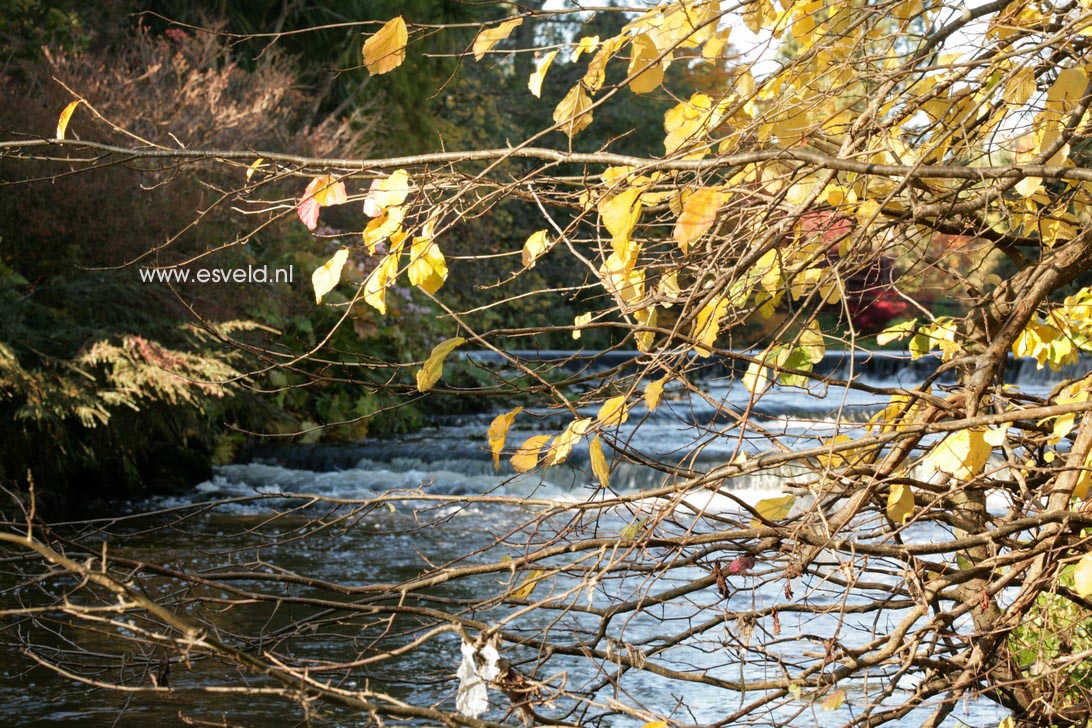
{"x":527,"y":585}
{"x":535,"y":247}
{"x":900,"y":503}
{"x":526,"y":458}
{"x":327,"y":276}
{"x":599,"y":461}
{"x":643,"y":56}
{"x":898,"y":331}
{"x":614,"y":411}
{"x":773,"y":509}
{"x":1082,"y":576}
{"x":698,"y":215}
{"x":434,"y":366}
{"x":386,"y":49}
{"x":535,"y":82}
{"x":489,"y":37}
{"x":66,"y":116}
{"x":498,"y":433}
{"x":756,"y":378}
{"x":573,"y":113}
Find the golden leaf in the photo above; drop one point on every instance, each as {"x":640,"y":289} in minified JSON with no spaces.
{"x":653,"y":392}
{"x":1082,"y":576}
{"x":707,"y":325}
{"x":698,"y":215}
{"x":528,"y":584}
{"x":900,"y":503}
{"x":579,"y":322}
{"x":254,"y":167}
{"x":656,"y":724}
{"x":430,"y":373}
{"x":385,"y":51}
{"x":643,"y":56}
{"x":65,"y":117}
{"x":599,"y":461}
{"x":623,"y":280}
{"x":563,"y":445}
{"x":375,"y":288}
{"x":428,"y":267}
{"x":384,"y":226}
{"x":526,"y":458}
{"x":619,"y":215}
{"x":597,"y":67}
{"x":586,"y":45}
{"x":535,"y":247}
{"x":534,"y":83}
{"x":387,"y":192}
{"x":614,"y":411}
{"x":498,"y":433}
{"x":714,"y":47}
{"x":489,"y":37}
{"x":326,"y":277}
{"x":573,"y":113}
{"x":962,"y":454}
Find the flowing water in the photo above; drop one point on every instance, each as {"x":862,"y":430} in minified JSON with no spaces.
{"x":388,"y":545}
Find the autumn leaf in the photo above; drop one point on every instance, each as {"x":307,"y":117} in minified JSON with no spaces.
{"x":614,"y":411}
{"x":534,"y":83}
{"x":653,"y":391}
{"x":430,"y":373}
{"x":498,"y":433}
{"x":65,"y":117}
{"x":834,"y":700}
{"x":327,"y":276}
{"x":1082,"y":576}
{"x":387,"y":192}
{"x":526,"y":458}
{"x":707,"y":325}
{"x":386,"y":49}
{"x":428,"y":267}
{"x":900,"y":503}
{"x":656,"y":724}
{"x":579,"y":322}
{"x":375,"y":288}
{"x":535,"y":247}
{"x":528,"y":584}
{"x":573,"y":113}
{"x":254,"y":167}
{"x":620,"y":214}
{"x":384,"y":226}
{"x":599,"y":461}
{"x":773,"y":509}
{"x":489,"y":37}
{"x":563,"y":445}
{"x":322,"y":191}
{"x":962,"y":454}
{"x":644,"y":54}
{"x":698,"y":215}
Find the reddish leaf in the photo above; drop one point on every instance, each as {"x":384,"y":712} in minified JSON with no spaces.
{"x":741,"y":564}
{"x":308,"y":212}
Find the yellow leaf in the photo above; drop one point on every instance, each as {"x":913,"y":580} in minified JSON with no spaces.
{"x":535,"y":82}
{"x":498,"y":433}
{"x":327,"y":276}
{"x":707,"y":325}
{"x":579,"y":322}
{"x":614,"y":411}
{"x":773,"y":509}
{"x":375,"y":288}
{"x":834,"y":700}
{"x":668,"y":288}
{"x":623,"y":280}
{"x":620,"y":214}
{"x":430,"y":373}
{"x":698,"y":215}
{"x":385,"y":51}
{"x":535,"y":247}
{"x":898,"y":331}
{"x":526,"y":458}
{"x":586,"y":45}
{"x":656,"y":724}
{"x":254,"y":167}
{"x":900,"y":503}
{"x":387,"y":192}
{"x":645,"y":317}
{"x":597,"y":67}
{"x":756,"y":378}
{"x":714,"y":47}
{"x":599,"y":461}
{"x":573,"y":113}
{"x":428,"y":267}
{"x":1082,"y":576}
{"x":528,"y":584}
{"x":962,"y":454}
{"x":643,"y":56}
{"x":653,"y":392}
{"x":489,"y":37}
{"x":65,"y":117}
{"x":563,"y":445}
{"x":384,"y":226}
